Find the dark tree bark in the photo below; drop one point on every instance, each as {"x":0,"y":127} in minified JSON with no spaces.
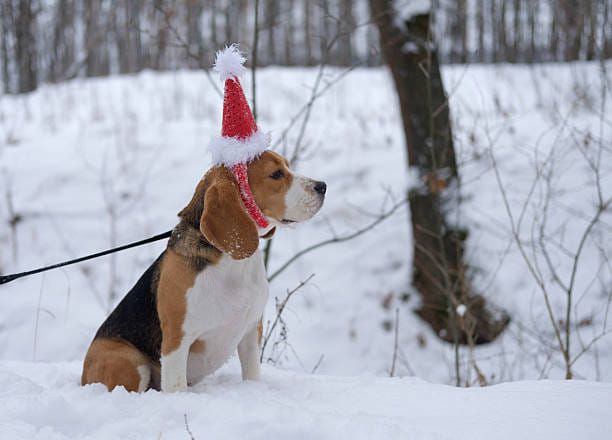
{"x":133,"y":33}
{"x":573,"y":23}
{"x":493,"y":25}
{"x":25,"y":47}
{"x":307,"y":35}
{"x":457,"y":30}
{"x":532,"y":11}
{"x":605,"y":32}
{"x":271,"y":15}
{"x":6,"y":20}
{"x":480,"y":30}
{"x":502,"y":35}
{"x":553,"y":48}
{"x":97,"y":26}
{"x":324,"y":30}
{"x":440,"y":273}
{"x":195,"y":8}
{"x":289,"y":34}
{"x":213,"y":23}
{"x":515,"y":53}
{"x":591,"y":13}
{"x":159,"y":43}
{"x":345,"y":29}
{"x":63,"y":56}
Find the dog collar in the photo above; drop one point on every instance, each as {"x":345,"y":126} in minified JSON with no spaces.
{"x":240,"y":173}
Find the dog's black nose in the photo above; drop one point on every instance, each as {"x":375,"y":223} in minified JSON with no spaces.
{"x":320,"y":187}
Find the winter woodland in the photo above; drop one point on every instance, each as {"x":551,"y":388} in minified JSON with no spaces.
{"x":457,"y":282}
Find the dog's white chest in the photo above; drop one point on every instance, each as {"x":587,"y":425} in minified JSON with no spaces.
{"x":226,"y":301}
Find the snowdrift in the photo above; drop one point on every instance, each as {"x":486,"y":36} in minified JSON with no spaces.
{"x":44,"y":401}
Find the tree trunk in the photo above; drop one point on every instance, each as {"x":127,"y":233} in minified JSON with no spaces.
{"x":195,"y":8}
{"x":270,"y":17}
{"x":502,"y":35}
{"x":532,"y":10}
{"x":439,"y":270}
{"x":480,"y":24}
{"x":308,"y":59}
{"x":345,"y":28}
{"x":289,"y":35}
{"x":25,"y":47}
{"x":515,"y":53}
{"x":573,"y":16}
{"x":464,"y":30}
{"x":213,"y":24}
{"x":591,"y":13}
{"x":494,"y":23}
{"x":6,"y":20}
{"x":63,"y":56}
{"x":97,"y":25}
{"x":606,"y":39}
{"x":554,"y":32}
{"x":132,"y":31}
{"x":324,"y":31}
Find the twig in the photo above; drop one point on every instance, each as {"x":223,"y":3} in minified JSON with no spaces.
{"x":14,"y":218}
{"x":318,"y":364}
{"x":530,"y":267}
{"x":348,"y":237}
{"x":187,"y":427}
{"x":40,"y":294}
{"x":395,"y":343}
{"x":310,"y":102}
{"x":187,"y":48}
{"x":279,"y":311}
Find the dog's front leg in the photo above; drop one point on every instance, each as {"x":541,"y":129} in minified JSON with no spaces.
{"x":174,"y":366}
{"x":248,"y":352}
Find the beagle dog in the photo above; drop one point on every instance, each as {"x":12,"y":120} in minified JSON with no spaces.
{"x":205,"y":294}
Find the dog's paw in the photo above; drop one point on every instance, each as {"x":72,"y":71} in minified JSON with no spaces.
{"x":175,"y":386}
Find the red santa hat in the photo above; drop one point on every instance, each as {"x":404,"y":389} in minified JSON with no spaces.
{"x":241,"y":141}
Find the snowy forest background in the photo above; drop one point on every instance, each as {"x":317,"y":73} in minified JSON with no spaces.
{"x":107,"y":108}
{"x":466,"y":237}
{"x":49,"y":41}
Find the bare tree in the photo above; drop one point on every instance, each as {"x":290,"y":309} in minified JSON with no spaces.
{"x":308,"y":56}
{"x":6,"y":21}
{"x":440,"y":273}
{"x":125,"y":36}
{"x":63,"y":56}
{"x":96,"y":27}
{"x":25,"y":46}
{"x":345,"y":29}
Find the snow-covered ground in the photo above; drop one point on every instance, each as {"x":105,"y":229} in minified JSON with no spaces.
{"x":47,"y":403}
{"x":92,"y":163}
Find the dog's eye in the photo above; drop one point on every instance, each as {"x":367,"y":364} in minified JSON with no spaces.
{"x":278,"y":174}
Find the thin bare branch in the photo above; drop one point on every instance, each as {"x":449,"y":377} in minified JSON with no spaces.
{"x":333,"y":240}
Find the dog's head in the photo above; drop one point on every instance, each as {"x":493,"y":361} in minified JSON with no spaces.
{"x":283,"y":196}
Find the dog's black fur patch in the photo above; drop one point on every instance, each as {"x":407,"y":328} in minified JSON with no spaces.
{"x":135,"y":318}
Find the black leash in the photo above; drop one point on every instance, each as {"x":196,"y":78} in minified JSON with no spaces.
{"x":8,"y":278}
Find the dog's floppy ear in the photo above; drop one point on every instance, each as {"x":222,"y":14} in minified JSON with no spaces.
{"x":225,"y":222}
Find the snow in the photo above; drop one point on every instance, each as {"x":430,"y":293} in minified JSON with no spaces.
{"x":47,"y":403}
{"x":101,"y":162}
{"x":406,"y":9}
{"x":461,"y":309}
